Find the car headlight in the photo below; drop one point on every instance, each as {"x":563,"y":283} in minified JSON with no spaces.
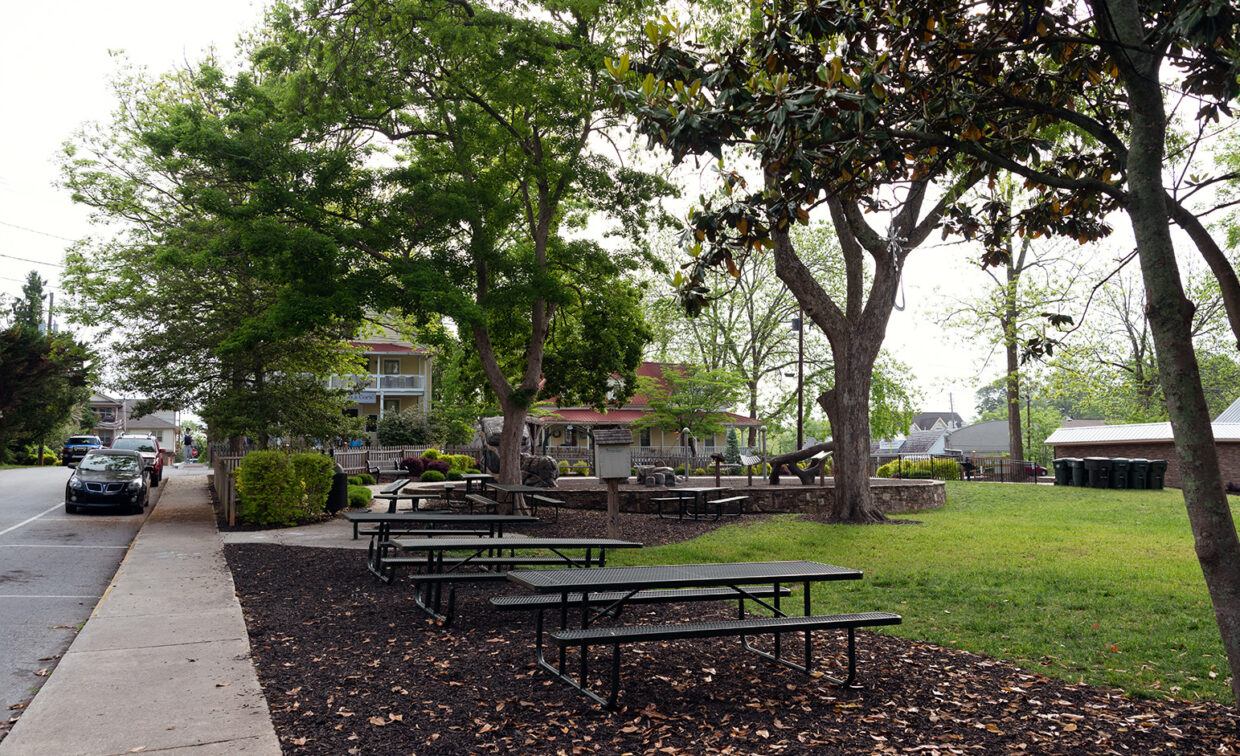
{"x":75,"y":483}
{"x":135,"y":484}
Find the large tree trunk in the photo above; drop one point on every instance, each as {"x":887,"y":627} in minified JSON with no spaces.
{"x":510,"y":442}
{"x":1170,"y":315}
{"x":847,"y":407}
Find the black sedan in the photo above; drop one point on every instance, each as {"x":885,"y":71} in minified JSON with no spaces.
{"x":109,"y":478}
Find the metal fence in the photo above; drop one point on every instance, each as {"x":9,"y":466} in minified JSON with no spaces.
{"x":993,"y":469}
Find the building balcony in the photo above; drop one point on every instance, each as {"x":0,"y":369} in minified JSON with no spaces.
{"x":388,"y":384}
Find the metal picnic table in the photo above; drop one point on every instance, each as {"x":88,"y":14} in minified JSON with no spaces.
{"x":695,"y":497}
{"x":604,"y":592}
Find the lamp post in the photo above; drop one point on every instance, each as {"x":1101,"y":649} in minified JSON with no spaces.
{"x":798,"y":325}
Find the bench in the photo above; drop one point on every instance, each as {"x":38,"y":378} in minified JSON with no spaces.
{"x":616,"y":636}
{"x":488,"y":505}
{"x":671,"y":596}
{"x":535,"y":500}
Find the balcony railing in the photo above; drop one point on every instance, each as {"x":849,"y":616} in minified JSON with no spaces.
{"x":376,"y":382}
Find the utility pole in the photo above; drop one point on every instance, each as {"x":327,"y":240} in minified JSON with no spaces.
{"x":800,"y":323}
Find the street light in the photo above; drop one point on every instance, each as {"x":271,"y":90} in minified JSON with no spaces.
{"x":798,"y":326}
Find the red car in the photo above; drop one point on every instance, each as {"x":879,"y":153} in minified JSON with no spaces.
{"x":1032,"y":469}
{"x":152,"y":455}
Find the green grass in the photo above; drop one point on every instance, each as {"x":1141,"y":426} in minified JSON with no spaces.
{"x":1080,"y":584}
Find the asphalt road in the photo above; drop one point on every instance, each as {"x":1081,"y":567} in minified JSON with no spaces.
{"x":54,"y":567}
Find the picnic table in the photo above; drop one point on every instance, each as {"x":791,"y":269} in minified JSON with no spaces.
{"x":386,"y":526}
{"x":691,"y":502}
{"x":415,"y":497}
{"x":444,"y":561}
{"x":604,"y":592}
{"x":482,"y":479}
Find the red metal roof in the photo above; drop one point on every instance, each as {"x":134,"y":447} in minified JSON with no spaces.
{"x":626,"y":417}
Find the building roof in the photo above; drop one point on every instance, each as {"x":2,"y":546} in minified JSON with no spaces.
{"x":388,"y":347}
{"x":1134,"y":433}
{"x":1230,"y":415}
{"x":921,"y":442}
{"x":627,"y":417}
{"x":988,"y":435}
{"x":926,"y":420}
{"x":152,"y":421}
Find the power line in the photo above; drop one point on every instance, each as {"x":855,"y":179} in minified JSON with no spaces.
{"x":27,"y":259}
{"x":33,"y":231}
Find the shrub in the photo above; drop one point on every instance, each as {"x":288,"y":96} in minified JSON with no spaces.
{"x":581,"y":467}
{"x":700,"y":471}
{"x":367,"y":479}
{"x":265,"y":485}
{"x":30,"y":456}
{"x":473,"y":471}
{"x":463,"y":462}
{"x":432,"y":476}
{"x":312,"y":473}
{"x":680,"y":470}
{"x":736,"y":470}
{"x":355,"y":480}
{"x":441,"y":466}
{"x":408,"y":428}
{"x":359,"y":497}
{"x":763,"y":469}
{"x":454,"y":475}
{"x":564,"y":467}
{"x":940,"y":469}
{"x":431,"y":454}
{"x":413,"y":465}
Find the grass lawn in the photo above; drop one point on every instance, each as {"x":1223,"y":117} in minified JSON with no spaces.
{"x":1080,"y":584}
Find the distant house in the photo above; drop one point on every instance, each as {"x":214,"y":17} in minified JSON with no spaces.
{"x":570,"y":426}
{"x":916,"y":442}
{"x":1147,"y":441}
{"x":926,"y":421}
{"x":114,"y":417}
{"x":397,"y":378}
{"x":1230,"y":415}
{"x":987,"y":438}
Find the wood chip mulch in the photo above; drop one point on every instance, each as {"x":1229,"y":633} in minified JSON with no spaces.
{"x":350,"y":665}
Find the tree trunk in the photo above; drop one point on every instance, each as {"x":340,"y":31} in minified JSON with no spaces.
{"x":847,"y":407}
{"x":1015,"y":439}
{"x":1170,"y":315}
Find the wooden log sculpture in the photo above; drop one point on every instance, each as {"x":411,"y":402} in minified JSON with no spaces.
{"x":790,"y":459}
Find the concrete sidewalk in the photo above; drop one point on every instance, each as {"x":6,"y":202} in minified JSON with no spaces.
{"x":163,"y":663}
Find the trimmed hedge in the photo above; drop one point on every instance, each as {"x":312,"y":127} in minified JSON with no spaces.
{"x":432,"y":476}
{"x":939,"y":469}
{"x":359,"y":497}
{"x":276,"y":489}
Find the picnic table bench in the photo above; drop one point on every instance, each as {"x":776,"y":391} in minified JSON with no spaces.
{"x":428,"y":524}
{"x":611,"y":588}
{"x":440,"y":566}
{"x":692,"y":503}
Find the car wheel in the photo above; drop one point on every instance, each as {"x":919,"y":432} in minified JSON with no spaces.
{"x":69,"y":508}
{"x":155,"y":480}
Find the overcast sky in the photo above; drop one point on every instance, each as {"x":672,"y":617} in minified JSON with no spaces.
{"x":54,"y":72}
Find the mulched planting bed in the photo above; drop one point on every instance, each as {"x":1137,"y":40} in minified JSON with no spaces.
{"x":349,"y":665}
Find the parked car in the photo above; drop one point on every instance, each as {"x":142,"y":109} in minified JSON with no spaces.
{"x":109,"y":478}
{"x":148,"y":447}
{"x":76,"y":448}
{"x":1034,"y":469}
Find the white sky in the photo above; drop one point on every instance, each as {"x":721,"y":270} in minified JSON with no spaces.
{"x":54,"y":71}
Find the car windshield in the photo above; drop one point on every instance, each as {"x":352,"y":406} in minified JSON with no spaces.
{"x":110,"y":463}
{"x":137,"y":444}
{"x":82,"y":440}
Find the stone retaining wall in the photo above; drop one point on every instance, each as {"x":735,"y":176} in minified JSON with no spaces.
{"x":891,"y":496}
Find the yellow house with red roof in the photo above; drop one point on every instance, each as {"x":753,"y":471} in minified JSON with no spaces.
{"x":571,"y":426}
{"x":397,"y":378}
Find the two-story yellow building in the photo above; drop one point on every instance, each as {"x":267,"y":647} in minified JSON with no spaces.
{"x":398,"y":378}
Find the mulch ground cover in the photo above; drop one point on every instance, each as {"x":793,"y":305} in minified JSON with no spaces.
{"x":350,"y":665}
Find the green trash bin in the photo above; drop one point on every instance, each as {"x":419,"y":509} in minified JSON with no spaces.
{"x":1078,"y":471}
{"x":1140,"y":474}
{"x":1063,"y":473}
{"x":1119,"y":472}
{"x":1098,"y":470}
{"x":1158,"y":471}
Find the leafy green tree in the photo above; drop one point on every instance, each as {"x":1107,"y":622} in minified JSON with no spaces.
{"x":409,"y":427}
{"x":689,"y":397}
{"x":485,"y":116}
{"x":44,"y":377}
{"x":200,"y":322}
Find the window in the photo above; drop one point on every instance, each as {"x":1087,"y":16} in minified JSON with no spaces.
{"x":372,"y":423}
{"x":391,"y":406}
{"x":570,"y":436}
{"x":391,"y":366}
{"x":351,"y":412}
{"x":645,"y":437}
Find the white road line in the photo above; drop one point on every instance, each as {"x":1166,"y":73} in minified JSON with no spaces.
{"x":30,"y":520}
{"x":28,"y":596}
{"x":59,"y":546}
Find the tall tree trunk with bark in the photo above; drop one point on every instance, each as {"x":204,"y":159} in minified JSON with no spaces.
{"x":1170,"y":315}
